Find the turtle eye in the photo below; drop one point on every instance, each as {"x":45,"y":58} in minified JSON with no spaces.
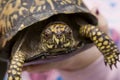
{"x":46,"y":35}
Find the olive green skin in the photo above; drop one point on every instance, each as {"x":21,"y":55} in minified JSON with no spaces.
{"x":17,"y":16}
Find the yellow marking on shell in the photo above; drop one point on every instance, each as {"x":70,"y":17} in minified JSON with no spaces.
{"x":32,"y":9}
{"x":15,"y":16}
{"x":9,"y":9}
{"x":51,"y":4}
{"x":63,"y":2}
{"x":24,"y":3}
{"x":21,"y":10}
{"x":39,"y":8}
{"x":68,"y":1}
{"x":79,"y":2}
{"x":22,"y":27}
{"x":44,"y":7}
{"x":40,"y":2}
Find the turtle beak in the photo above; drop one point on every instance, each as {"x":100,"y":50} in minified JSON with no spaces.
{"x":103,"y":43}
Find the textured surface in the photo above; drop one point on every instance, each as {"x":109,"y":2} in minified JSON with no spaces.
{"x":15,"y":67}
{"x":18,"y":14}
{"x":103,"y":43}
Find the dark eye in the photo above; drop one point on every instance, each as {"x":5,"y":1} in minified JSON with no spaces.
{"x":46,"y":35}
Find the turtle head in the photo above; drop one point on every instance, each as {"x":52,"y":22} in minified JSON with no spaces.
{"x":57,"y":37}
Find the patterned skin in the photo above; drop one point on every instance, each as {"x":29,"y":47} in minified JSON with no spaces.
{"x":17,"y":15}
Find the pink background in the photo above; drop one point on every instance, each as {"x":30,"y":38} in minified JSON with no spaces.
{"x":110,"y":9}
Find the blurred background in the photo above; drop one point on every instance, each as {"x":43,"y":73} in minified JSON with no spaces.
{"x":110,"y":11}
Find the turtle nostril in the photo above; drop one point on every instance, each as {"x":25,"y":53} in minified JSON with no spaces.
{"x":59,"y":36}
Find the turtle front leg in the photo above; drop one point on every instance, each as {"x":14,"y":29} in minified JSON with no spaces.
{"x":15,"y":68}
{"x":103,"y":43}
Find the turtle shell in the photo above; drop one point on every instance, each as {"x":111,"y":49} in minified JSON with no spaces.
{"x":16,"y":15}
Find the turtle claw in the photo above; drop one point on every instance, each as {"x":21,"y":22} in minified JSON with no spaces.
{"x":103,"y":43}
{"x":111,"y":59}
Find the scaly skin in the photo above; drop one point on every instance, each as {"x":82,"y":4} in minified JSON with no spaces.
{"x":101,"y":40}
{"x":103,"y":43}
{"x":15,"y":68}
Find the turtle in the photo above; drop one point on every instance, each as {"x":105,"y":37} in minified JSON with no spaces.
{"x":38,"y":31}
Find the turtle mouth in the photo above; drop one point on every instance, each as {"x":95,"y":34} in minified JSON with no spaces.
{"x":47,"y":58}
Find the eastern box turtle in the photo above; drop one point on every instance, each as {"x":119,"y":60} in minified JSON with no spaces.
{"x":38,"y":31}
